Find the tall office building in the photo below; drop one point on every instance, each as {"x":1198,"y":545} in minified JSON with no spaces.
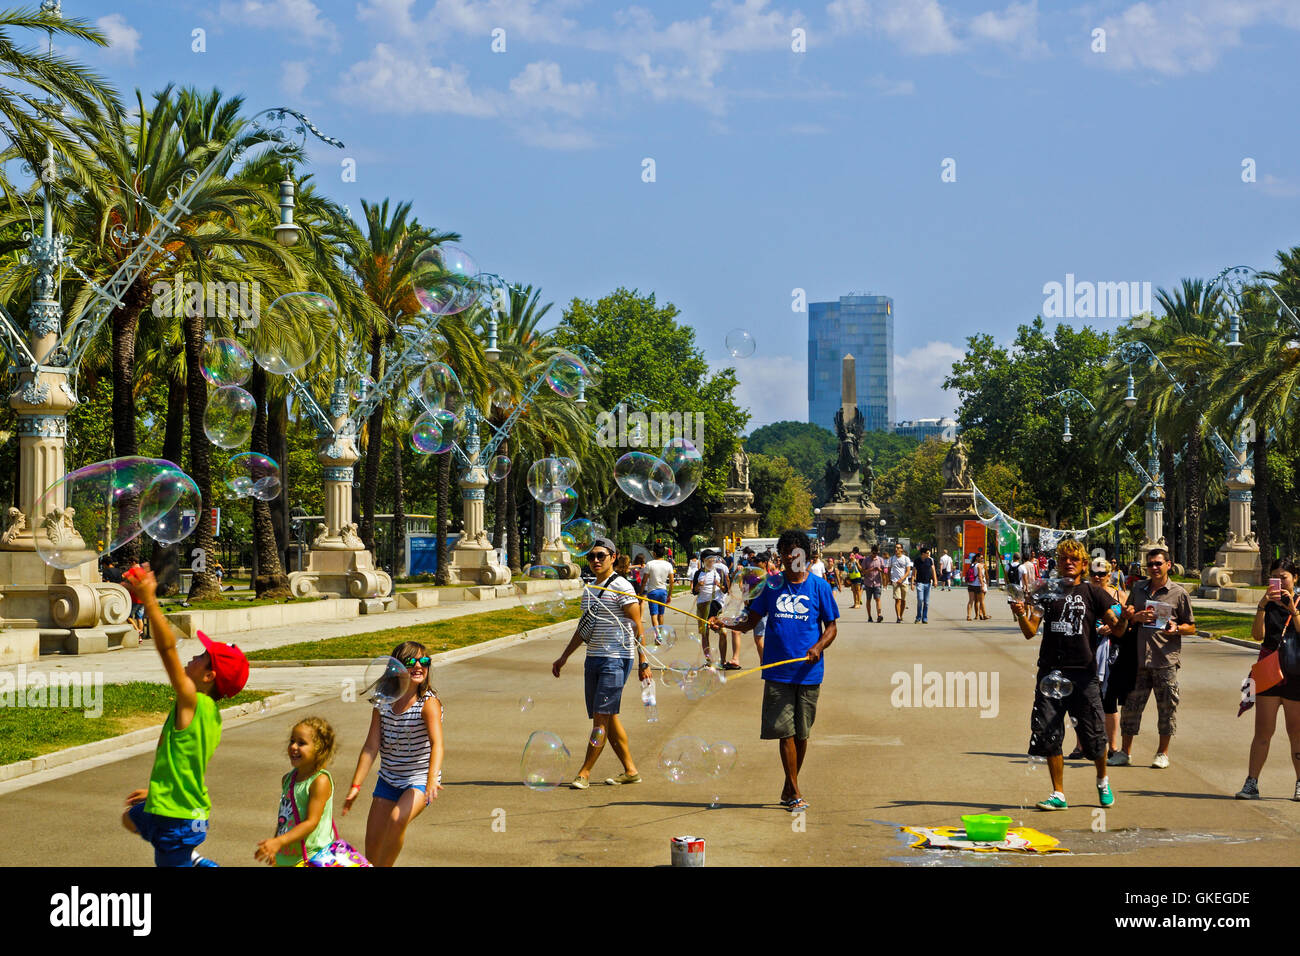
{"x":863,"y":326}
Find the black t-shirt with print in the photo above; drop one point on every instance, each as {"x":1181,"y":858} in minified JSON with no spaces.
{"x":1276,"y":618}
{"x":1069,"y":627}
{"x":925,"y":570}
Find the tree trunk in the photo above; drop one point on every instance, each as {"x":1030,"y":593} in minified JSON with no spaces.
{"x":512,"y":523}
{"x":1195,"y":500}
{"x":125,"y":323}
{"x":499,"y":504}
{"x":442,"y":513}
{"x":277,"y":424}
{"x":399,"y":509}
{"x":203,"y":585}
{"x":270,"y":580}
{"x":1263,"y":523}
{"x":374,"y":451}
{"x":165,"y":559}
{"x":1167,"y":475}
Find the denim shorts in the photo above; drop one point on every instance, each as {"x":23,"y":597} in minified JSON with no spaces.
{"x":658,"y":594}
{"x":173,"y":839}
{"x":604,"y":679}
{"x":386,"y":791}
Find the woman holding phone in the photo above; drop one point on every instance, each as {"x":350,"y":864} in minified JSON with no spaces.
{"x":1275,"y":617}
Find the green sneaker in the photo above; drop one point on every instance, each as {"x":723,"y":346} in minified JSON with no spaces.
{"x":1053,"y":803}
{"x":1104,"y":794}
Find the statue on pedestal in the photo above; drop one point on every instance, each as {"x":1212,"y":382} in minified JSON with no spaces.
{"x":956,"y":467}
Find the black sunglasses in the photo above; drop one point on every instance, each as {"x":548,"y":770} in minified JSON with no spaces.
{"x":422,"y":661}
{"x":598,"y":555}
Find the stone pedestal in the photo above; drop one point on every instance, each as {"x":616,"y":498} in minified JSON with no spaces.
{"x":1237,"y":562}
{"x":737,"y":515}
{"x":849,"y":524}
{"x":554,"y":553}
{"x":1153,"y":527}
{"x":474,"y":559}
{"x":956,"y":507}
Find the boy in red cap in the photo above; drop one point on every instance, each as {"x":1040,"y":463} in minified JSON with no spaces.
{"x":172,"y":813}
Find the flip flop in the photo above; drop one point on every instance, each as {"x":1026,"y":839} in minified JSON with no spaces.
{"x":730,"y":666}
{"x":798,"y":805}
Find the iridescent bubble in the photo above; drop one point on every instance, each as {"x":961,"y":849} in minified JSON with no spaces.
{"x":740,"y":344}
{"x":684,"y":759}
{"x":1032,"y":763}
{"x":385,"y":680}
{"x":644,"y":478}
{"x":545,"y":763}
{"x":544,"y":571}
{"x":226,"y":362}
{"x":665,"y":637}
{"x":687,"y":465}
{"x":164,"y":504}
{"x":228,"y":419}
{"x":535,"y":602}
{"x":362,"y":388}
{"x":292,"y":331}
{"x":499,"y":467}
{"x":570,"y":469}
{"x":547,"y":480}
{"x":525,"y":704}
{"x":720,"y":759}
{"x":577,"y":536}
{"x":436,"y":384}
{"x":443,"y":279}
{"x":426,"y":435}
{"x":597,"y":738}
{"x":1056,"y":685}
{"x":566,"y":374}
{"x":568,"y":505}
{"x":502,"y":401}
{"x":253,"y":475}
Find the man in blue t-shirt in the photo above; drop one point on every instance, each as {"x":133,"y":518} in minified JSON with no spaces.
{"x":800,"y":612}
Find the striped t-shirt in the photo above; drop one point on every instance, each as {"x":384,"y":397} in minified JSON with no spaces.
{"x":404,"y":745}
{"x":613,"y":635}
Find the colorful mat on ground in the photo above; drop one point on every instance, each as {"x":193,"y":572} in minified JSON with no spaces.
{"x":1019,"y":839}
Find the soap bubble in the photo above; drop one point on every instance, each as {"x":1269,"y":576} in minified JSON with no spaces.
{"x":436,"y":384}
{"x":684,"y":759}
{"x":547,"y":480}
{"x":253,"y":475}
{"x":597,"y":738}
{"x":1032,"y":763}
{"x":100,"y":507}
{"x":544,"y":571}
{"x":525,"y":704}
{"x":502,"y":401}
{"x":740,"y":344}
{"x":577,"y":536}
{"x":385,"y":680}
{"x":226,"y":362}
{"x":426,"y":435}
{"x":569,"y":506}
{"x":570,"y":470}
{"x":720,"y":758}
{"x":362,"y":388}
{"x":228,"y":420}
{"x":1056,"y":685}
{"x":293,"y":330}
{"x":1048,"y":593}
{"x":566,"y":373}
{"x":443,"y":279}
{"x":687,"y":465}
{"x":644,"y":478}
{"x":751,"y":582}
{"x":498,"y":467}
{"x":545,"y":763}
{"x":665,"y":636}
{"x":715,"y":802}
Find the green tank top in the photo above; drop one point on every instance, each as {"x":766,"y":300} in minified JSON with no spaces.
{"x":176,"y":785}
{"x":321,"y":837}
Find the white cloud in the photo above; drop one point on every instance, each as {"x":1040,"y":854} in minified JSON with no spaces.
{"x":1174,"y":37}
{"x":294,"y":77}
{"x":1016,"y":26}
{"x":123,"y":39}
{"x":849,"y":15}
{"x":1276,"y":186}
{"x":540,"y":87}
{"x":918,"y":381}
{"x":774,"y":388}
{"x":392,"y":82}
{"x":891,"y":87}
{"x":918,"y":26}
{"x":298,"y":17}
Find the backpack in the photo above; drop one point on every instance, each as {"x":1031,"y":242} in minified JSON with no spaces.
{"x":972,"y":576}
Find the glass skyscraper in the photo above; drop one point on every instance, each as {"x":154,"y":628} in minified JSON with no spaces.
{"x":861,"y":326}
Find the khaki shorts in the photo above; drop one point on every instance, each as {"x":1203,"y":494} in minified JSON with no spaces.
{"x":788,"y":710}
{"x":900,"y":591}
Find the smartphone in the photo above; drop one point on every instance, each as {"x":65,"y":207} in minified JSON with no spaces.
{"x":1275,"y":584}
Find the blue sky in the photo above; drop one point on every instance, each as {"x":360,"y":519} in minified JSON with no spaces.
{"x":1114,"y":156}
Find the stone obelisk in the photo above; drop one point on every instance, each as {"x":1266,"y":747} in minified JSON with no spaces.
{"x":849,"y":518}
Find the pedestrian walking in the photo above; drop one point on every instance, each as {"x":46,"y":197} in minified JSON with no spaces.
{"x":923,"y":575}
{"x":945,"y":570}
{"x":900,"y":569}
{"x":873,"y":579}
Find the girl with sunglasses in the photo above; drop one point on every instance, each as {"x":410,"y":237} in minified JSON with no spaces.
{"x":407,"y":735}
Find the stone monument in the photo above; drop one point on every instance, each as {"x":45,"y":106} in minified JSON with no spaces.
{"x":956,"y":501}
{"x":737,"y":515}
{"x":849,"y":518}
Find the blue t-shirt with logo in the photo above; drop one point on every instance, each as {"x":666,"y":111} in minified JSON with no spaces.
{"x":795,"y":616}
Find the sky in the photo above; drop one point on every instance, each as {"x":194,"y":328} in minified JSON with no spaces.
{"x":728,"y":156}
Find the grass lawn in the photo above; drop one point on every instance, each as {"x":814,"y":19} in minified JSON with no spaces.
{"x":174,"y":606}
{"x":27,"y":732}
{"x":438,"y":636}
{"x":1224,"y":622}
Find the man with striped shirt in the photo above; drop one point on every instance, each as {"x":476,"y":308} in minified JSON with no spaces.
{"x":611,"y":626}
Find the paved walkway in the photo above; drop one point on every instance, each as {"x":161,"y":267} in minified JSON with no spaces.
{"x":871,"y":766}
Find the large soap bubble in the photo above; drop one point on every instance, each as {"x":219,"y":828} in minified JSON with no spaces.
{"x":498,"y":467}
{"x":740,"y":343}
{"x":436,"y":384}
{"x":548,"y":480}
{"x":578,"y":536}
{"x":568,"y":505}
{"x":253,"y":475}
{"x":228,"y":419}
{"x":684,"y":759}
{"x":362,"y":388}
{"x":566,"y":373}
{"x":443,"y":280}
{"x":226,"y":362}
{"x":720,"y":759}
{"x":545,"y":763}
{"x":385,"y":680}
{"x":293,"y":330}
{"x":1056,"y":685}
{"x":644,"y":478}
{"x":100,"y":507}
{"x":427,"y":435}
{"x":687,"y":464}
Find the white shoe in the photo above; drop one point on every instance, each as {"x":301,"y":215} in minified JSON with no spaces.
{"x":1118,"y":759}
{"x":1160,"y":762}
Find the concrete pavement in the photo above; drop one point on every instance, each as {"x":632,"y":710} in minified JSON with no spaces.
{"x":871,"y":766}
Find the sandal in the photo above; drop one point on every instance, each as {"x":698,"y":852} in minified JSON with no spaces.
{"x":729,"y":666}
{"x":798,"y":805}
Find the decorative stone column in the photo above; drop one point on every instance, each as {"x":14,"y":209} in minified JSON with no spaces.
{"x":474,"y":559}
{"x":338,"y":563}
{"x":554,"y":553}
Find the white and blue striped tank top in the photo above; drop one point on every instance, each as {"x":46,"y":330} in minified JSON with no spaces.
{"x":404,"y":745}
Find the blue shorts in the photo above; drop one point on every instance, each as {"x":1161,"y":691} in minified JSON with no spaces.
{"x":137,"y":611}
{"x":386,"y":791}
{"x":173,"y":839}
{"x":658,"y":594}
{"x":604,"y":679}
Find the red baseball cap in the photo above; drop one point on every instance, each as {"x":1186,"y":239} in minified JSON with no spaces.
{"x":228,"y":664}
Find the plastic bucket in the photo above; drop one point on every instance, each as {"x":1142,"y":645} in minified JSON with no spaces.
{"x":986,"y":828}
{"x":688,"y":851}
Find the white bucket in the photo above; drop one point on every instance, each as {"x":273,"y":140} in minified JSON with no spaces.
{"x":688,"y":851}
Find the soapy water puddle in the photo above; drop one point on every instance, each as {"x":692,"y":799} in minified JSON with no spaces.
{"x":1078,"y":843}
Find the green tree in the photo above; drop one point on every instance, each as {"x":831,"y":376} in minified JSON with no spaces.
{"x":781,"y":495}
{"x":806,"y":447}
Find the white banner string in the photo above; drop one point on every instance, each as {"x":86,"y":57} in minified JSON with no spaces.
{"x":1056,"y":533}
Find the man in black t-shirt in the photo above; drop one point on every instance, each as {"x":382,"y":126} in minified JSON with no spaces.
{"x":1069,"y":619}
{"x":923,"y":578}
